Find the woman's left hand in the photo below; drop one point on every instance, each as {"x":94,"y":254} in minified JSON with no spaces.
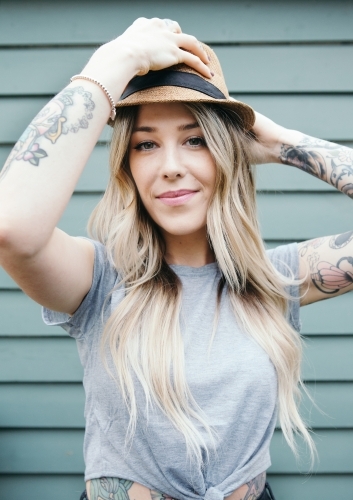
{"x":268,"y":138}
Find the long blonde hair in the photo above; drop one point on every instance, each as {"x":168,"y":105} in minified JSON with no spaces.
{"x":145,"y":327}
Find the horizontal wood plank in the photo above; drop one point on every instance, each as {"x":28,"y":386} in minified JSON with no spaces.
{"x":61,"y":406}
{"x":39,"y":360}
{"x":247,"y":69}
{"x":333,"y":316}
{"x":41,"y":487}
{"x":41,"y":451}
{"x":324,"y":116}
{"x":309,"y":487}
{"x":313,"y":115}
{"x":330,"y":406}
{"x":21,"y":316}
{"x":328,"y":358}
{"x":60,"y":451}
{"x":56,"y":359}
{"x":341,"y":461}
{"x":224,"y":21}
{"x":42,"y":406}
{"x":299,"y":216}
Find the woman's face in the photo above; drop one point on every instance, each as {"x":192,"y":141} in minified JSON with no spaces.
{"x":172,"y":167}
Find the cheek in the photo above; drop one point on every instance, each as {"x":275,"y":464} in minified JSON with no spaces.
{"x":208,"y":174}
{"x":143,"y":182}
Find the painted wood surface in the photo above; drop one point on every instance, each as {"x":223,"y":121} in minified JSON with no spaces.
{"x":292,"y":62}
{"x":279,"y":69}
{"x":226,"y":21}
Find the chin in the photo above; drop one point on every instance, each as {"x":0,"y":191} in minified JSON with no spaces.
{"x":182,"y":228}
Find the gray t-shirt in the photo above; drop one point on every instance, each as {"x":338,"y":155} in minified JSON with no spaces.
{"x":236,"y":386}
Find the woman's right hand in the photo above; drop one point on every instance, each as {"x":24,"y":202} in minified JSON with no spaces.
{"x":148,"y":44}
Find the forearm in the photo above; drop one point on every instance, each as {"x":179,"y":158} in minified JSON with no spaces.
{"x":325,"y":160}
{"x":43,"y":168}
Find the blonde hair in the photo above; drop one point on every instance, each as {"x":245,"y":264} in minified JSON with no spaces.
{"x":145,"y":327}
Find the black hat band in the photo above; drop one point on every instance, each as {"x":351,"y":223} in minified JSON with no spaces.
{"x":170,"y":78}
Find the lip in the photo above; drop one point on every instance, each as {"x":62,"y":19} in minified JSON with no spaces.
{"x":179,"y":197}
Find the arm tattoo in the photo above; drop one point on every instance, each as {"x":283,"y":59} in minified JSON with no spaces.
{"x":157,"y":495}
{"x":341,"y":240}
{"x":255,"y":487}
{"x":109,"y":488}
{"x":325,"y":160}
{"x":316,"y":243}
{"x":331,"y":278}
{"x":51,"y":122}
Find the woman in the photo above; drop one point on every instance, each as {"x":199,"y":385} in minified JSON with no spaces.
{"x":184,"y":325}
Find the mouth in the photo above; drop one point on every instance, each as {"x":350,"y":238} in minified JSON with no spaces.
{"x":174,"y":198}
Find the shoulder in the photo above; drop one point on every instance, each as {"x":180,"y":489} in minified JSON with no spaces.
{"x":285,"y":259}
{"x":104,"y":279}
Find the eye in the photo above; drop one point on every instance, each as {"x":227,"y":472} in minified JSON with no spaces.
{"x":145,"y":146}
{"x":196,"y":141}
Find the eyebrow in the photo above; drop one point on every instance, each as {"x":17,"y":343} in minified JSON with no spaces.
{"x":181,"y":128}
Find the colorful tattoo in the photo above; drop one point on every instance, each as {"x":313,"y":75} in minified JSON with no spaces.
{"x":51,"y":122}
{"x":330,"y":278}
{"x":109,"y":488}
{"x":325,"y":160}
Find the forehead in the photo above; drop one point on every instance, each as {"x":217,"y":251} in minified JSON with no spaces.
{"x":171,"y":112}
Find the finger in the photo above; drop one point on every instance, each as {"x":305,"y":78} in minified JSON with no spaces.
{"x":195,"y":63}
{"x":172,"y":25}
{"x":191,"y":43}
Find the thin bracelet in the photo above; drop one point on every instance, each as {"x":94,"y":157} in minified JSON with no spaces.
{"x":105,"y":90}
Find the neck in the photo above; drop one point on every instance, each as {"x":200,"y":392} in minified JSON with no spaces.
{"x":188,"y":250}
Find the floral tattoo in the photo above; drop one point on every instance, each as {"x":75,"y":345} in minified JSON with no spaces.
{"x":329,"y":277}
{"x":109,"y":488}
{"x":327,"y":161}
{"x":51,"y":122}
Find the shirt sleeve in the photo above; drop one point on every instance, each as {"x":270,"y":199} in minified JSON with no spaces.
{"x":285,"y":259}
{"x":95,"y":302}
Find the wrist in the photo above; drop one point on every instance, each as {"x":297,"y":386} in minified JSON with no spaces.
{"x":113,"y":66}
{"x":287,"y":137}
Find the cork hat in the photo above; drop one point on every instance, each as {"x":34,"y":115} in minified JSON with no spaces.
{"x":181,"y":83}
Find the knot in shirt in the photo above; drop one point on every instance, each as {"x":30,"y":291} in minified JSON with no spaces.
{"x":213,"y":494}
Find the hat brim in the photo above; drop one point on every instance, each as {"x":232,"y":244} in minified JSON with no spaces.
{"x":177,"y":94}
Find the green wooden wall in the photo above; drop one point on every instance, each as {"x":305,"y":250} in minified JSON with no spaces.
{"x":292,"y":61}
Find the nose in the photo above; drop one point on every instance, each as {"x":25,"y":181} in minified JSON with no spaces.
{"x":172,"y":165}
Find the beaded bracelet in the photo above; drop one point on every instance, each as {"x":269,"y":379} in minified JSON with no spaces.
{"x":105,"y":90}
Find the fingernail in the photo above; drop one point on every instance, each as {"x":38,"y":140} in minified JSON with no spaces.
{"x":212,"y":73}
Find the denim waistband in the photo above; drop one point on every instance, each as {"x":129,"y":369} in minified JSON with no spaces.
{"x":267,"y":493}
